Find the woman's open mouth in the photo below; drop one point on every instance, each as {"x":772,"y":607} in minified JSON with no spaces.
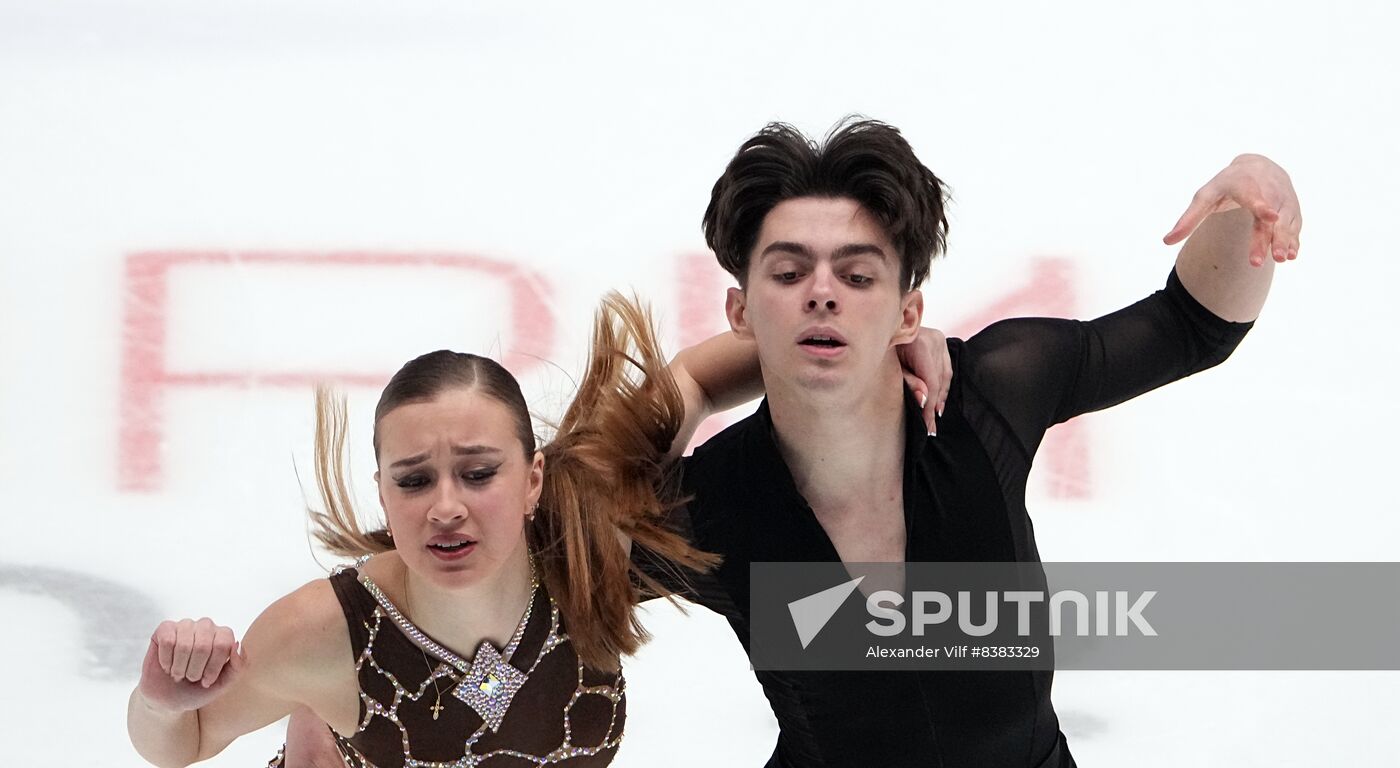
{"x":453,"y":547}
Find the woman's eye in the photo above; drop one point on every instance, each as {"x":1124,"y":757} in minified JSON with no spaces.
{"x":479,"y":475}
{"x":412,"y":481}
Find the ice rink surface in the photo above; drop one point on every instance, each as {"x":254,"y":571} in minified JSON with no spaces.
{"x":205,"y":208}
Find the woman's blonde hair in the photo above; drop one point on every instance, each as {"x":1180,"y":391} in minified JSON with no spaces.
{"x":605,"y":475}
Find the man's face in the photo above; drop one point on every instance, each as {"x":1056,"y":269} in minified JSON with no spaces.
{"x":823,"y":298}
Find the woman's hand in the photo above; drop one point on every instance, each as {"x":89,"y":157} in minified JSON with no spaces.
{"x":189,"y":664}
{"x":200,"y":689}
{"x":928,"y":370}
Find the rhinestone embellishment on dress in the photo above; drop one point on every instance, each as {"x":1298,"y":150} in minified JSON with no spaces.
{"x":490,"y":685}
{"x":490,"y":682}
{"x":493,"y":688}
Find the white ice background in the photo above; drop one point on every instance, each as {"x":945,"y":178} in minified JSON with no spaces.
{"x":580,"y":140}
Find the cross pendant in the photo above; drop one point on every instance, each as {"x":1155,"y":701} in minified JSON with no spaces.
{"x":436,"y":708}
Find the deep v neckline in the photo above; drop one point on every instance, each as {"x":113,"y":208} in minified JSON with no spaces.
{"x":786,"y":484}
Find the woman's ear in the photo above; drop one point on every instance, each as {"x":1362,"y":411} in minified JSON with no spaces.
{"x":536,"y":480}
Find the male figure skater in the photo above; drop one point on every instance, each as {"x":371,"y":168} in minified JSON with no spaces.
{"x":829,"y":244}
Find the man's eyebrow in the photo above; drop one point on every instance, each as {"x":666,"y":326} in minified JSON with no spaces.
{"x":457,"y":450}
{"x":787,"y":246}
{"x":847,"y":251}
{"x":858,"y":249}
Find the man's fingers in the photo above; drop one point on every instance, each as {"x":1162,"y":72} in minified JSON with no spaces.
{"x":1263,"y":211}
{"x":1256,"y":184}
{"x":1261,"y":242}
{"x":1295,"y":227}
{"x":1187,"y":224}
{"x":1267,"y":231}
{"x":1205,"y":202}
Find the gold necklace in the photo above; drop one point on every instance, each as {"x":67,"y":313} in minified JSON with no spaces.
{"x":490,"y":684}
{"x":432,"y":671}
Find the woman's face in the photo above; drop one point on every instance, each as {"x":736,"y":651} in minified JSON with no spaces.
{"x":455,"y":486}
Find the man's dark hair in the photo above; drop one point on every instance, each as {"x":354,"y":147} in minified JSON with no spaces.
{"x":865,"y":160}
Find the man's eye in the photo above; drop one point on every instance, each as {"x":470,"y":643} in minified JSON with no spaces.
{"x":859,"y":279}
{"x":785,"y":277}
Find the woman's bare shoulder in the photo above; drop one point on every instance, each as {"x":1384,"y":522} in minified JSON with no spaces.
{"x":386,"y":570}
{"x":297,"y":653}
{"x":301,"y":635}
{"x":312,"y":614}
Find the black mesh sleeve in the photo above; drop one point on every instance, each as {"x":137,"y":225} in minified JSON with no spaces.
{"x":1038,"y":372}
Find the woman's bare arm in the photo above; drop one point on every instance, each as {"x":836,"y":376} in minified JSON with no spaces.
{"x":723,"y":372}
{"x":286,"y":660}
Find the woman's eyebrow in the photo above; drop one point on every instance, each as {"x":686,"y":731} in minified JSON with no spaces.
{"x":457,"y":450}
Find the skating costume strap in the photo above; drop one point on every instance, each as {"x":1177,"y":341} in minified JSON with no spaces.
{"x":357,"y":604}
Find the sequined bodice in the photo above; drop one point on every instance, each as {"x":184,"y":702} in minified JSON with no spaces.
{"x":421,"y":705}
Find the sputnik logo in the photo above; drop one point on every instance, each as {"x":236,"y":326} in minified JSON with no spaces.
{"x":811,"y":613}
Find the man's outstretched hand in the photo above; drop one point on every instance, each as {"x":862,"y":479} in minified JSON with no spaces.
{"x":1259,"y":185}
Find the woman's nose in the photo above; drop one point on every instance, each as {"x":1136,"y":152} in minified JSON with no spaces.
{"x":448,"y":506}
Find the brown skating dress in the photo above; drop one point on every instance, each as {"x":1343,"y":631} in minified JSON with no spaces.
{"x":532,"y":703}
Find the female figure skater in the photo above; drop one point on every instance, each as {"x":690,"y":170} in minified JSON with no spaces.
{"x":484,"y":622}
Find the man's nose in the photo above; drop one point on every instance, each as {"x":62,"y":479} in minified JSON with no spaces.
{"x":823,"y":294}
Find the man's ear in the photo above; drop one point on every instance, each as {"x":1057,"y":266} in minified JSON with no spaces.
{"x":736,"y":309}
{"x":911,"y":316}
